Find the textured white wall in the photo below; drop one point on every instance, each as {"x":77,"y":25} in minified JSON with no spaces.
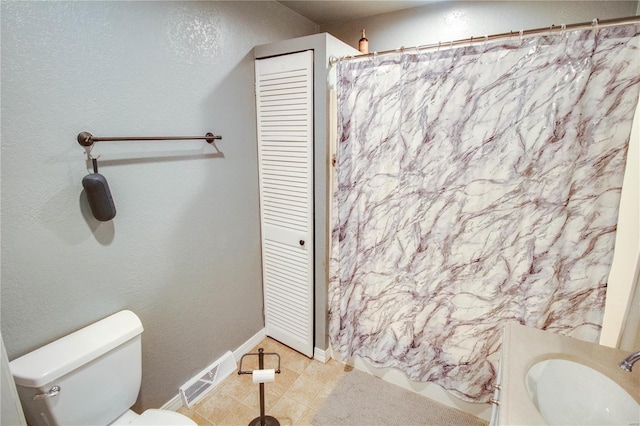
{"x":453,"y":20}
{"x":183,"y":251}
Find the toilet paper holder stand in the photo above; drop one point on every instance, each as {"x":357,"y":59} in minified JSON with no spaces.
{"x":262,"y":420}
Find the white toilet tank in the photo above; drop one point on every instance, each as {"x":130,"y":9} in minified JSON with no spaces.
{"x":89,"y":377}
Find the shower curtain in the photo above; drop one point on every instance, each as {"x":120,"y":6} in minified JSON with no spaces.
{"x":476,"y":186}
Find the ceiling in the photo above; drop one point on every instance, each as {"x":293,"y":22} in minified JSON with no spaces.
{"x":326,"y":11}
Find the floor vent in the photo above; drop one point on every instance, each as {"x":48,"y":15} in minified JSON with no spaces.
{"x":196,"y":388}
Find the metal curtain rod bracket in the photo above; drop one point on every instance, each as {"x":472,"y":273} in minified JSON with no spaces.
{"x":87,"y":139}
{"x":595,"y":24}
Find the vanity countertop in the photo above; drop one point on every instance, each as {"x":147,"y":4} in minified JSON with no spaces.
{"x":525,"y":346}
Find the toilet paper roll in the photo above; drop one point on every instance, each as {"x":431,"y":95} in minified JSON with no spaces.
{"x":264,"y":376}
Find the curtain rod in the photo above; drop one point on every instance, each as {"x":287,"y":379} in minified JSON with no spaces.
{"x":87,"y":139}
{"x":595,"y":24}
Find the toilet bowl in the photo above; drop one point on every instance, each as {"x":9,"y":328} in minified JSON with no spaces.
{"x":89,"y":377}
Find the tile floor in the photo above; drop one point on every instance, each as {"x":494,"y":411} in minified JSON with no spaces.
{"x":293,"y":398}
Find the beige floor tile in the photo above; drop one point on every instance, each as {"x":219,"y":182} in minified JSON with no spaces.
{"x":307,"y":418}
{"x":237,"y":386}
{"x":285,"y":421}
{"x":251,"y":360}
{"x":252,"y":400}
{"x":282,"y":382}
{"x":216,"y":407}
{"x":272,"y":345}
{"x":293,"y":397}
{"x":304,"y":389}
{"x":269,"y":345}
{"x":212,"y":394}
{"x":295,"y":361}
{"x":322,"y":372}
{"x":185,"y":411}
{"x":201,"y":421}
{"x":272,"y":391}
{"x":288,"y":410}
{"x":331,"y":383}
{"x":317,"y":402}
{"x":242,"y":416}
{"x":194,"y":416}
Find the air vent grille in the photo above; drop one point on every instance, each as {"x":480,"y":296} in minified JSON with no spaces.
{"x":196,"y":388}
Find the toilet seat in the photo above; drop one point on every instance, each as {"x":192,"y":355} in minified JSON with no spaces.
{"x":154,"y":417}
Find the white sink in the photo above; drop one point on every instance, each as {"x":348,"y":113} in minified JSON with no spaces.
{"x":570,"y":393}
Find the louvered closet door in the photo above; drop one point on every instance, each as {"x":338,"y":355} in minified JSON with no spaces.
{"x":284,"y":99}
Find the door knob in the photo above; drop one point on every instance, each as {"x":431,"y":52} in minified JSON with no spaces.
{"x":302,"y":243}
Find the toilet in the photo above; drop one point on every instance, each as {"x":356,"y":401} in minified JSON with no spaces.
{"x":89,"y":377}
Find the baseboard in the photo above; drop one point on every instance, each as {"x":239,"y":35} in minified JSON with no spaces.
{"x":173,"y":404}
{"x":322,"y":355}
{"x":176,"y":402}
{"x":249,"y":344}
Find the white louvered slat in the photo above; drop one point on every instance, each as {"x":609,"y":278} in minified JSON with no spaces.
{"x":284,"y":99}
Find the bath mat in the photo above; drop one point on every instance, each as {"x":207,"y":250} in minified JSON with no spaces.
{"x":362,"y":399}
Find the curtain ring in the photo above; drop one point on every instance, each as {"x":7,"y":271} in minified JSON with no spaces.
{"x":486,"y":39}
{"x":595,"y":24}
{"x":521,"y":35}
{"x":510,"y":33}
{"x":451,"y":44}
{"x":563,"y":28}
{"x":439,"y":43}
{"x":470,"y":40}
{"x":551,"y":28}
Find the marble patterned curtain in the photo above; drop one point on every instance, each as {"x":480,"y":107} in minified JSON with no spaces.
{"x":477,"y":186}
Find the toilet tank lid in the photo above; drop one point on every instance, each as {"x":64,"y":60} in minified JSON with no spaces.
{"x":52,"y":361}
